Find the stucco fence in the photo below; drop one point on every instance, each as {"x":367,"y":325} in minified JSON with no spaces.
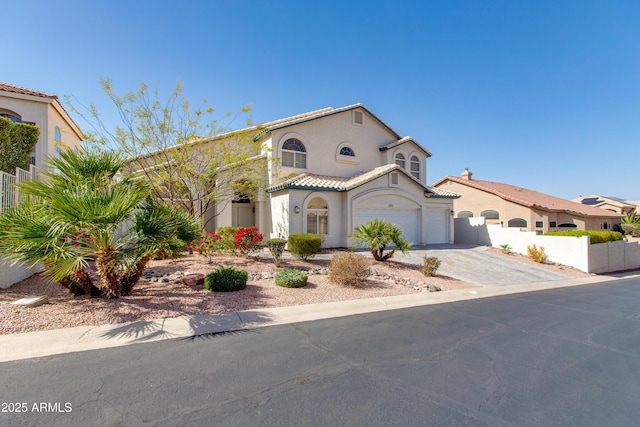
{"x":575,"y":252}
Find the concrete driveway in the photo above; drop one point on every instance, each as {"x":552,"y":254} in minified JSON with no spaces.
{"x":476,"y":265}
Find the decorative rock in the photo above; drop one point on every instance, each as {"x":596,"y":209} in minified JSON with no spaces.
{"x":32,"y":301}
{"x":165,"y":280}
{"x":194,"y":279}
{"x":434,"y":288}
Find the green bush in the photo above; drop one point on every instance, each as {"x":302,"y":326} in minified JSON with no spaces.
{"x":304,"y":246}
{"x":227,"y":240}
{"x":430,"y":266}
{"x":276,"y":247}
{"x":595,"y":236}
{"x":348,"y":269}
{"x":506,"y":249}
{"x":291,"y":279}
{"x":226,"y":280}
{"x":537,"y":254}
{"x":16,"y":144}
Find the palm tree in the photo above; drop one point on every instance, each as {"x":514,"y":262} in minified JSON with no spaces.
{"x":84,"y":213}
{"x":377,"y":235}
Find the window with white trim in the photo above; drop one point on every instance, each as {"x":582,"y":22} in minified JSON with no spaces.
{"x":400,"y":160}
{"x":415,"y":166}
{"x":317,"y":216}
{"x":294,"y":154}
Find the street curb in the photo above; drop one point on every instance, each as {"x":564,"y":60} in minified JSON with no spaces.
{"x":83,"y":338}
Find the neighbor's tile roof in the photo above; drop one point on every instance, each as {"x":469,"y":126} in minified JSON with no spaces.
{"x":24,"y":91}
{"x":6,"y":87}
{"x":308,"y":181}
{"x":531,"y":198}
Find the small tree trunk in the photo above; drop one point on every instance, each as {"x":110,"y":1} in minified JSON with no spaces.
{"x":133,"y":274}
{"x":84,"y":280}
{"x":106,"y":266}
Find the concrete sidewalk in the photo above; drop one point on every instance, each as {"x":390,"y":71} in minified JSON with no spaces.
{"x":45,"y":343}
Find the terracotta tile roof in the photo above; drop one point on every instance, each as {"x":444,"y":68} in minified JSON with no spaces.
{"x":531,"y":198}
{"x":24,"y":91}
{"x":6,"y":87}
{"x":308,"y":181}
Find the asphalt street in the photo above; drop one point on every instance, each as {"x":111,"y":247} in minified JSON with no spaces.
{"x":560,"y":357}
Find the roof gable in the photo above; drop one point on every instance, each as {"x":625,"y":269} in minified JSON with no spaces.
{"x":318,"y":114}
{"x":307,"y":181}
{"x":530,"y":198}
{"x":405,"y":140}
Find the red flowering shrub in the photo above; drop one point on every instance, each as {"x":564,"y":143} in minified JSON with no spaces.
{"x":206,"y":246}
{"x":248,"y":240}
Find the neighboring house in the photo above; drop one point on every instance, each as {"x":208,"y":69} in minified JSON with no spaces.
{"x":613,"y":204}
{"x":513,"y":206}
{"x":333,"y":169}
{"x":45,"y":111}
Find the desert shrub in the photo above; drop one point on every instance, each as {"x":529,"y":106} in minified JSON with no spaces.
{"x":276,"y":247}
{"x":291,"y":279}
{"x":506,"y":249}
{"x":537,"y":254}
{"x":227,"y":238}
{"x":247,"y":240}
{"x":304,"y":246}
{"x":628,"y":228}
{"x":430,"y":266}
{"x":595,"y":236}
{"x":348,"y":269}
{"x":207,"y":245}
{"x":226,"y":280}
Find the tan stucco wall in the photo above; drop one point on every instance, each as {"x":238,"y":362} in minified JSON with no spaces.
{"x":324,"y":137}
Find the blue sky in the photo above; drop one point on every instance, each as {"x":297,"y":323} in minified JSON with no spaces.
{"x":539,"y":94}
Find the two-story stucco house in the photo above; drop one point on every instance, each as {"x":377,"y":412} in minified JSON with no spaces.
{"x":333,"y":169}
{"x":57,"y":128}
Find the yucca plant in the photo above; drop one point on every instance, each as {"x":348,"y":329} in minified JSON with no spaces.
{"x":377,"y":234}
{"x":86,"y":214}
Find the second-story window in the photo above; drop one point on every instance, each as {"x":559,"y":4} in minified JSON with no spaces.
{"x":294,"y":154}
{"x":400,"y":160}
{"x":347,"y":151}
{"x":415,"y":166}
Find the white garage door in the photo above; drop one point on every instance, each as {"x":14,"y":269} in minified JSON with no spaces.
{"x":406,"y":219}
{"x":437,"y":226}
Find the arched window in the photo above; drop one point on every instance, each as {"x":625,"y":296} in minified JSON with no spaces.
{"x":490,"y":214}
{"x":415,"y":166}
{"x":11,"y":115}
{"x":400,"y":160}
{"x":517,"y":222}
{"x":347,"y":151}
{"x":317,"y":216}
{"x":294,"y":154}
{"x":465,"y":214}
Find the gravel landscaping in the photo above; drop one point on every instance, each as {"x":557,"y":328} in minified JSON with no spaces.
{"x":162,"y":294}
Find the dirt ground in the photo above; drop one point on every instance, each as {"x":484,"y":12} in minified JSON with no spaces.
{"x":156,"y":299}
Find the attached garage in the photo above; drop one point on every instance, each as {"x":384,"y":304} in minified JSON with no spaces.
{"x":437,"y":223}
{"x":407,"y":219}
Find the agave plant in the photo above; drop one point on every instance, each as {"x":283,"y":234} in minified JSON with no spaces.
{"x":83,"y":214}
{"x":377,"y":234}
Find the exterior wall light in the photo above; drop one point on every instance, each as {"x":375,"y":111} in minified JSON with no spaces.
{"x":296,"y":209}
